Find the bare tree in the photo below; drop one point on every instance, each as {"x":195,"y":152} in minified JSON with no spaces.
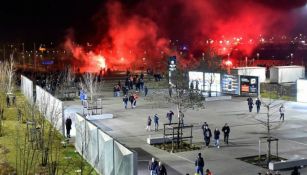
{"x":270,"y":121}
{"x":90,"y":84}
{"x":181,"y":96}
{"x":211,"y":62}
{"x":10,"y":75}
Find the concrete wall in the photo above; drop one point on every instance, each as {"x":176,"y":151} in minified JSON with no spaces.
{"x":286,"y":74}
{"x":26,"y":87}
{"x":104,"y":153}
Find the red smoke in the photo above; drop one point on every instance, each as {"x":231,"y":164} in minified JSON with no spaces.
{"x":138,"y":36}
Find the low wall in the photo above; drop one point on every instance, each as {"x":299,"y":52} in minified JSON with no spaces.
{"x":104,"y":153}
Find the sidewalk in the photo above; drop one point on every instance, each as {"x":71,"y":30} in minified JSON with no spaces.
{"x":128,"y":126}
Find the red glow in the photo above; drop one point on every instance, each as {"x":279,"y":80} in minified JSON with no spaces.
{"x":140,"y":36}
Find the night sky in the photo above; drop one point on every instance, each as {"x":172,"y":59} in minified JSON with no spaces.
{"x":49,"y":20}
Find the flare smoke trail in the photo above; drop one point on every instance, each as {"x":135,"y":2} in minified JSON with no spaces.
{"x":140,"y":35}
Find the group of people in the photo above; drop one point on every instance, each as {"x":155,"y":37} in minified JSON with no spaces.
{"x":250,"y":104}
{"x":156,"y":168}
{"x":132,"y":99}
{"x":208,"y":134}
{"x":156,"y":123}
{"x":169,"y":116}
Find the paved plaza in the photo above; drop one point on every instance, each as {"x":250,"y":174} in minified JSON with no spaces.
{"x":128,"y":126}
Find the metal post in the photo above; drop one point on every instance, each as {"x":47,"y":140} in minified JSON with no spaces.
{"x":164,"y":134}
{"x":173,"y":141}
{"x":277,"y":148}
{"x":191,"y":135}
{"x":259,"y":149}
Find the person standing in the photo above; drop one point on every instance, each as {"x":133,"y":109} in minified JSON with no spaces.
{"x":226,"y":131}
{"x":258,"y":104}
{"x":282,"y":112}
{"x":161,"y":170}
{"x":199,"y":165}
{"x":152,"y":166}
{"x":125,"y":100}
{"x":217,"y":137}
{"x":145,"y":90}
{"x":156,"y":120}
{"x":148,"y":127}
{"x":250,"y":104}
{"x":170,"y":91}
{"x":169,"y":116}
{"x":68,"y":124}
{"x":207,"y":136}
{"x":7,"y":101}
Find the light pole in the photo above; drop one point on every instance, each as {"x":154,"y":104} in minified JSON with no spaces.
{"x":291,"y":58}
{"x":245,"y":61}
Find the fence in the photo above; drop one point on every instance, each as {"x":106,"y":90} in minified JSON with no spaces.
{"x":51,"y":108}
{"x":104,"y":153}
{"x":27,"y":88}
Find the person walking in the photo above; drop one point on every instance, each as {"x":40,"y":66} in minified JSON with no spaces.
{"x":68,"y":124}
{"x":207,"y":136}
{"x":226,"y":131}
{"x":282,"y":113}
{"x":125,"y":101}
{"x":148,"y":127}
{"x":217,"y":137}
{"x":169,"y":116}
{"x":258,"y":104}
{"x":161,"y":170}
{"x":135,"y":96}
{"x":250,"y":103}
{"x":199,"y":165}
{"x":131,"y":99}
{"x":152,"y":166}
{"x":203,"y":126}
{"x":156,"y":122}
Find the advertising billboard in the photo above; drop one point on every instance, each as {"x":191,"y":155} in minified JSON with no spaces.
{"x":213,"y":79}
{"x":196,"y":80}
{"x":230,"y":84}
{"x":249,"y":85}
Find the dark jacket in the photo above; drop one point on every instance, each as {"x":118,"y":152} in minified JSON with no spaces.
{"x":207,"y":133}
{"x":68,"y":123}
{"x":216,"y":134}
{"x":199,"y":162}
{"x":131,"y":98}
{"x":125,"y":99}
{"x":152,"y":165}
{"x":258,"y":103}
{"x":250,"y":101}
{"x":226,"y":130}
{"x":161,"y":170}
